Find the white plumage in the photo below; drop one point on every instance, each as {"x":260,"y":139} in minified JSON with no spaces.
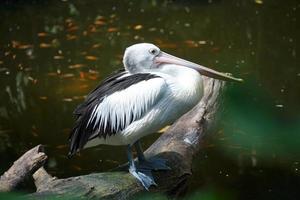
{"x":160,"y":100}
{"x":153,"y":91}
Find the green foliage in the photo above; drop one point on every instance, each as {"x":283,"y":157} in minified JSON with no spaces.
{"x":12,"y":196}
{"x":150,"y":196}
{"x":253,"y":122}
{"x":204,"y":194}
{"x":207,"y":195}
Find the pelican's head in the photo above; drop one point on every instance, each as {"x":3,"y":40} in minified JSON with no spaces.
{"x":140,"y":57}
{"x":144,"y":57}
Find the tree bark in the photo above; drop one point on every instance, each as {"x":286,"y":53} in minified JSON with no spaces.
{"x":24,"y":167}
{"x":177,"y":145}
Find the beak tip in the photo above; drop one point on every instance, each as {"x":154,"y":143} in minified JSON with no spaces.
{"x":229,"y":75}
{"x":240,"y":80}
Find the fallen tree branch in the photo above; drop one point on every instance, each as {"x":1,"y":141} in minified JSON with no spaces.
{"x":24,"y":167}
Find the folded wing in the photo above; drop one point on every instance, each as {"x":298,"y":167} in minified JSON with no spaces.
{"x":117,"y":102}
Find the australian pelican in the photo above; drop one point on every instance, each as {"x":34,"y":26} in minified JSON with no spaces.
{"x":153,"y":90}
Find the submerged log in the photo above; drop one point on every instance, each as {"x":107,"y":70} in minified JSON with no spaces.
{"x":177,"y":145}
{"x":24,"y":167}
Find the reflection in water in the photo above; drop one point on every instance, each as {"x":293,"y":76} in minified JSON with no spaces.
{"x":17,"y":99}
{"x":54,"y":52}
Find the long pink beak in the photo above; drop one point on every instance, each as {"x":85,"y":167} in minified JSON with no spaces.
{"x":169,"y":59}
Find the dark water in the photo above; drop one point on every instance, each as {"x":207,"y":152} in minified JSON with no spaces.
{"x":52,"y":53}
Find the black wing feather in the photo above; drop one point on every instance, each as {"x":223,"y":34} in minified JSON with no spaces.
{"x":82,"y":132}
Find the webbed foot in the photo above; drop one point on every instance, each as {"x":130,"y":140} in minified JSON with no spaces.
{"x":144,"y":176}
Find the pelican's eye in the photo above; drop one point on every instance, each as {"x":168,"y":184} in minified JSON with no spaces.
{"x":153,"y":51}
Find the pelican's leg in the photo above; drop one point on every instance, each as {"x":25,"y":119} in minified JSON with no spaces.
{"x":139,"y":151}
{"x":151,"y":163}
{"x":144,"y":176}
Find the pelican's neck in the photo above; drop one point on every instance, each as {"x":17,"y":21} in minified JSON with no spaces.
{"x":185,"y":79}
{"x":185,"y":84}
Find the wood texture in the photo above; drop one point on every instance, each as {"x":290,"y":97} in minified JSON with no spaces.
{"x":25,"y":166}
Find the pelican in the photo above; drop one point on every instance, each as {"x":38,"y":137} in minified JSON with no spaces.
{"x":152,"y":91}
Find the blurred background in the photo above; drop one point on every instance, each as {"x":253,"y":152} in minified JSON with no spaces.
{"x":52,"y":53}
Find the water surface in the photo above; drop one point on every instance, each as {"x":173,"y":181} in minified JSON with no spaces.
{"x":52,"y":53}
